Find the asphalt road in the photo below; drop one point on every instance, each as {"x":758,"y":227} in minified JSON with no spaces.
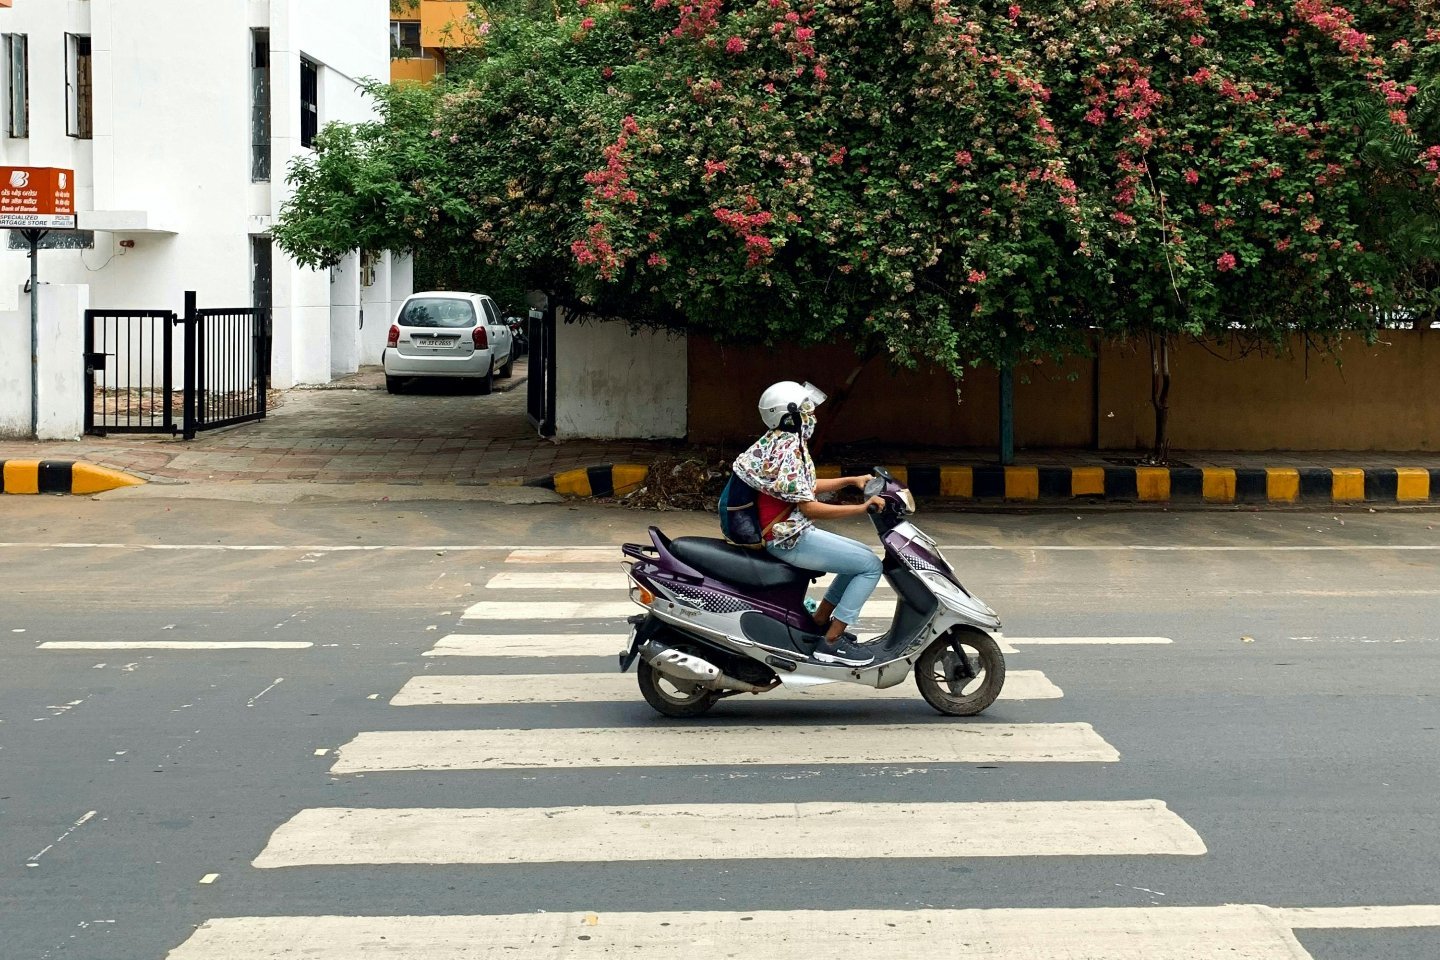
{"x":1292,"y":723}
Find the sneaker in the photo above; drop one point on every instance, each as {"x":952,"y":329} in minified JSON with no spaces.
{"x":841,"y":651}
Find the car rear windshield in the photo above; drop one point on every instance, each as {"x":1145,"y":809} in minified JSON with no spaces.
{"x":438,"y":312}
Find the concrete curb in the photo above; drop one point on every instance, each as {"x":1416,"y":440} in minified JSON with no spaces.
{"x":61,"y":476}
{"x":1219,"y":485}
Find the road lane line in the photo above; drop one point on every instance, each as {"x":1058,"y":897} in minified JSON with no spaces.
{"x":175,"y":645}
{"x":1360,"y":918}
{"x":545,"y":645}
{"x":497,"y":689}
{"x":614,"y":580}
{"x":724,"y":746}
{"x":1087,"y":641}
{"x":1237,"y":932}
{"x":333,"y":836}
{"x":523,"y":554}
{"x":604,"y":610}
{"x":529,"y":645}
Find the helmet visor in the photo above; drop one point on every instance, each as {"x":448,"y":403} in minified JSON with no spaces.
{"x":814,"y":394}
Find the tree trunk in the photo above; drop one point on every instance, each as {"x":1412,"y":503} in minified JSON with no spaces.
{"x":1160,"y":395}
{"x":836,"y":403}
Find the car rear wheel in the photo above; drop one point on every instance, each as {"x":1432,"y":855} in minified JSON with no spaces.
{"x":392,"y":384}
{"x":507,"y":371}
{"x":486,"y":383}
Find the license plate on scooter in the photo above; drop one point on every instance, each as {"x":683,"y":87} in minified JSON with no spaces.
{"x":632,"y":646}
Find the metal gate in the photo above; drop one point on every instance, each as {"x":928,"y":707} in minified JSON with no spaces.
{"x":540,"y":374}
{"x":130,"y":369}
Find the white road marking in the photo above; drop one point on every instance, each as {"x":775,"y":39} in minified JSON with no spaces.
{"x":519,"y":553}
{"x":809,"y":831}
{"x":175,"y":645}
{"x":1360,"y":918}
{"x":550,"y":610}
{"x":724,"y":746}
{"x":1237,"y":932}
{"x":210,"y":878}
{"x":604,"y":610}
{"x":321,"y":751}
{"x":613,"y":580}
{"x":278,"y":681}
{"x":529,"y":645}
{"x":450,"y":690}
{"x":35,"y":860}
{"x":560,"y":644}
{"x":1067,"y":641}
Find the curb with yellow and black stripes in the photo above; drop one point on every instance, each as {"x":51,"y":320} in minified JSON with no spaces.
{"x":60,"y":476}
{"x":1249,"y":485}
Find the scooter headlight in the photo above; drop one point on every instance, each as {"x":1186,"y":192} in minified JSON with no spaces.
{"x":908,"y":499}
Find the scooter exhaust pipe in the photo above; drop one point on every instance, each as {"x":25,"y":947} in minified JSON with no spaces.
{"x":689,"y":668}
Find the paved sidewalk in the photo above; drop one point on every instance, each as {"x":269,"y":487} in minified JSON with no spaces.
{"x":352,"y":431}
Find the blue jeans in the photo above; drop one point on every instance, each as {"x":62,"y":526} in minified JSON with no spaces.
{"x":857,"y":569}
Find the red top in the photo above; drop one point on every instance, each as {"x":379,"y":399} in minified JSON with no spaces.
{"x":772,"y":509}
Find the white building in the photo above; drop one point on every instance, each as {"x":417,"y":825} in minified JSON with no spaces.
{"x":180,"y":120}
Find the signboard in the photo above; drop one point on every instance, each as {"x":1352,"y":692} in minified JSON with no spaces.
{"x":37,"y":198}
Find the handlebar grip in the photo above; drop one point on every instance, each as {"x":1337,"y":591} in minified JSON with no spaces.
{"x":872,"y":508}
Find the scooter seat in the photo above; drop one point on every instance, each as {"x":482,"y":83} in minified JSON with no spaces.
{"x":737,"y":566}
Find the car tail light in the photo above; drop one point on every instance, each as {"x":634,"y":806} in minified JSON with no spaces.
{"x":480,"y":338}
{"x":394,"y":339}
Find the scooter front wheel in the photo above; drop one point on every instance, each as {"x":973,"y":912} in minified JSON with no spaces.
{"x":672,"y":697}
{"x":959,"y":689}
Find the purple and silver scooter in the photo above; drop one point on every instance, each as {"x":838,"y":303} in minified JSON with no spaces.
{"x":722,"y":619}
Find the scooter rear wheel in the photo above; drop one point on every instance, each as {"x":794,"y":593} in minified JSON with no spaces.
{"x":671,"y":697}
{"x":942,"y":683}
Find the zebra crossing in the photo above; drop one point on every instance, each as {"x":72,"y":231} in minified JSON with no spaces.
{"x":528,"y":613}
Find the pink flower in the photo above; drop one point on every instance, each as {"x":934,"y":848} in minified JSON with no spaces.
{"x":1196,"y":40}
{"x":735,"y":45}
{"x":435,"y":134}
{"x":1225,"y":262}
{"x":656,"y":260}
{"x":804,"y":33}
{"x":1124,"y":219}
{"x":1095,"y":116}
{"x":1192,"y":177}
{"x":483,"y":29}
{"x":820,"y":73}
{"x":963,"y":158}
{"x":976,"y":276}
{"x":1014,"y":12}
{"x":587,"y":24}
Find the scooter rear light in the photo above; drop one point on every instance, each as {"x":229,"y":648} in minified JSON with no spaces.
{"x":480,"y":338}
{"x":641,"y":595}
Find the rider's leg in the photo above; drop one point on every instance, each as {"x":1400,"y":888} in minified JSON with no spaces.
{"x":856,"y":567}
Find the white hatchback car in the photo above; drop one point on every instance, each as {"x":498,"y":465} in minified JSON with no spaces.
{"x":454,"y":335}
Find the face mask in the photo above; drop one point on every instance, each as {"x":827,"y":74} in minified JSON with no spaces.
{"x":807,"y":420}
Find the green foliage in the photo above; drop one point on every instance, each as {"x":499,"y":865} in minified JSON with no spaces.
{"x":944,"y":182}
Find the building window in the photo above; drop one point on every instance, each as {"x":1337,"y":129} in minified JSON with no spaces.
{"x":260,"y":271}
{"x":17,"y":83}
{"x":309,"y":102}
{"x":405,"y":40}
{"x":260,"y":106}
{"x":78,"y":87}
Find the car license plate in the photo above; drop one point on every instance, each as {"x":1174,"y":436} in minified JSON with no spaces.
{"x":434,"y":343}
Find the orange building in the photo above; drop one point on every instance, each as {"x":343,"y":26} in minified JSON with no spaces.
{"x":422,"y":32}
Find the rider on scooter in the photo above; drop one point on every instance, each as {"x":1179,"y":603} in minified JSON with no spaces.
{"x":779,"y":467}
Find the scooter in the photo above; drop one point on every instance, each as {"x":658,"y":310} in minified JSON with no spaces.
{"x":721,"y":620}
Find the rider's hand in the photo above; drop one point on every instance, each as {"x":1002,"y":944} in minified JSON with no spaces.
{"x":875,"y":503}
{"x":859,"y":481}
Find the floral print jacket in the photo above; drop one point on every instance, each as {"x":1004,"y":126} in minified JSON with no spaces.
{"x":779,"y":464}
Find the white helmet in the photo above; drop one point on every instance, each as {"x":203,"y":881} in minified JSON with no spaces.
{"x":781,"y":403}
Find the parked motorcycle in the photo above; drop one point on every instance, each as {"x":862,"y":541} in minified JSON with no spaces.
{"x":721,"y":620}
{"x":519,"y":333}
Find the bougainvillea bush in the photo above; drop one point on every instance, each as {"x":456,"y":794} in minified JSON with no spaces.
{"x":939,"y":181}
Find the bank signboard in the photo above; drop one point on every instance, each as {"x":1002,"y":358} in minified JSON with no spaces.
{"x":37,"y":198}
